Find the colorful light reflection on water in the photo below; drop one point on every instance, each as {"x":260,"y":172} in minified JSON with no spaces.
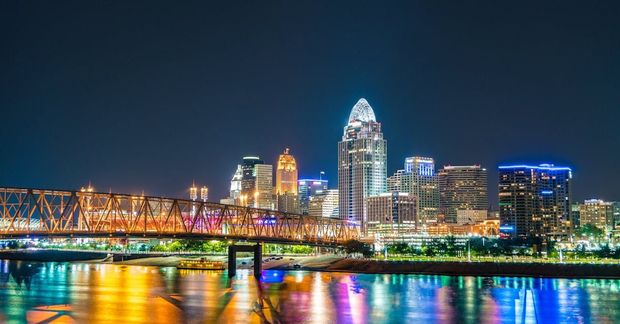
{"x":81,"y":292}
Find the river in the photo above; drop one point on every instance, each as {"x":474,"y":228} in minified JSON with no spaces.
{"x":106,"y":293}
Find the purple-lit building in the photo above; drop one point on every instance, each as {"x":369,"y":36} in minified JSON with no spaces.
{"x":535,"y":201}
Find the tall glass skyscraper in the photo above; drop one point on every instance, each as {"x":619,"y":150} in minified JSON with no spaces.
{"x":535,"y":201}
{"x":362,"y":163}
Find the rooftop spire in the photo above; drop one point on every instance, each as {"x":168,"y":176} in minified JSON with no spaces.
{"x":362,"y":111}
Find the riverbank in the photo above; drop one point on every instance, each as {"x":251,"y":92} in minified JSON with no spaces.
{"x":454,"y":268}
{"x":334,"y":263}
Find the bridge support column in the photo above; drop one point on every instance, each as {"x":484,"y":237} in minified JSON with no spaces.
{"x":258,"y":260}
{"x":232,"y":260}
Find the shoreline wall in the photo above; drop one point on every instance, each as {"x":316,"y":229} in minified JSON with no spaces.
{"x":555,"y":270}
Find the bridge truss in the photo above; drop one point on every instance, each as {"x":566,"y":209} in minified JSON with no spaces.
{"x":42,"y":212}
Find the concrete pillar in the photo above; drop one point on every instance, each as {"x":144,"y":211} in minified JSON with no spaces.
{"x":232,"y":261}
{"x":258,"y":261}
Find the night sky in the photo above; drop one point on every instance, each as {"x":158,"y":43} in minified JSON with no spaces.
{"x":147,"y":95}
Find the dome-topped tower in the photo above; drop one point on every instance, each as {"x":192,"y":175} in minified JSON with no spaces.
{"x":362,"y":164}
{"x":362,"y":111}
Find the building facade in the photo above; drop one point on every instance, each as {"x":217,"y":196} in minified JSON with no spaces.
{"x":308,"y":188}
{"x":598,"y":213}
{"x":286,"y":183}
{"x":286,"y":174}
{"x":418,"y":178}
{"x":263,"y":194}
{"x":256,"y":184}
{"x":391,"y":214}
{"x":362,"y":163}
{"x":462,"y":188}
{"x":535,"y":201}
{"x":324,"y":204}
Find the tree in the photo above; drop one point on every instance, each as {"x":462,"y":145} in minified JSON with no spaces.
{"x":355,"y":246}
{"x":590,"y":231}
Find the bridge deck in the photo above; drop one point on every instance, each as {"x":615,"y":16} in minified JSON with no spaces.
{"x":43,"y":212}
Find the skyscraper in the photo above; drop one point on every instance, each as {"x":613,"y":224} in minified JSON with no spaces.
{"x":308,"y":188}
{"x":286,"y":183}
{"x":286,"y":174}
{"x":235,"y":184}
{"x":362,"y":163}
{"x":418,"y":178}
{"x":256,"y":183}
{"x":462,"y":188}
{"x":535,"y":201}
{"x":263,"y":194}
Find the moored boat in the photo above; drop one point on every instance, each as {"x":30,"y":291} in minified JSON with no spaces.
{"x":201,"y":264}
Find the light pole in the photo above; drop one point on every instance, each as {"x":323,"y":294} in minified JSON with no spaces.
{"x":469,"y":247}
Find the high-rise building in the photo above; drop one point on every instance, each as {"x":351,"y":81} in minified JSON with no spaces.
{"x":248,"y":180}
{"x":308,"y":188}
{"x":324,"y":204}
{"x":286,"y":174}
{"x":256,"y":183}
{"x":535,"y":201}
{"x":235,"y":184}
{"x":418,"y":178}
{"x":263,"y":194}
{"x":286,"y":183}
{"x":598,"y":213}
{"x":391,"y":214}
{"x":362,"y":163}
{"x":616,"y":211}
{"x":463,"y":188}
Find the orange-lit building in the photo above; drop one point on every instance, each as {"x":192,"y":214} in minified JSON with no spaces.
{"x":489,"y":227}
{"x":286,"y":174}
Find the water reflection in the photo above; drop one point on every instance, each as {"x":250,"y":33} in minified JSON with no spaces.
{"x":80,"y":292}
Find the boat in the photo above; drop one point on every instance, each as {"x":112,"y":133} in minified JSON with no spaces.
{"x":201,"y":264}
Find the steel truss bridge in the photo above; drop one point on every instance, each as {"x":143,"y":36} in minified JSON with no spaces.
{"x":65,"y":213}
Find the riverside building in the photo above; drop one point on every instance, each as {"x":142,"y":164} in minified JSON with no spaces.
{"x":535,"y":201}
{"x":463,"y":192}
{"x":391,"y":214}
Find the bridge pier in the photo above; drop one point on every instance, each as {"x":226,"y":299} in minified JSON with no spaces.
{"x":258,"y":258}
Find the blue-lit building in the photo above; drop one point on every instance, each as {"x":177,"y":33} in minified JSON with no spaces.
{"x":307,"y":188}
{"x":535,"y":201}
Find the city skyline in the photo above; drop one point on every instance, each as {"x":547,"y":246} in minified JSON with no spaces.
{"x":152,"y":113}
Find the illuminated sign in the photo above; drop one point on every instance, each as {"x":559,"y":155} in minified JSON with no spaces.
{"x":507,"y":228}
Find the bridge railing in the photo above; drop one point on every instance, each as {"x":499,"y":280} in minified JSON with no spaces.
{"x":62,"y":212}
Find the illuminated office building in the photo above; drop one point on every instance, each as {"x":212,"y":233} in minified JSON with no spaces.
{"x":391,"y":214}
{"x":362,"y":159}
{"x":418,"y":178}
{"x":256,"y":183}
{"x":286,"y":183}
{"x":286,"y":174}
{"x":235,"y":184}
{"x":263,"y":194}
{"x":598,"y":213}
{"x":463,"y":188}
{"x":324,"y":204}
{"x":535,"y":201}
{"x":308,"y":188}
